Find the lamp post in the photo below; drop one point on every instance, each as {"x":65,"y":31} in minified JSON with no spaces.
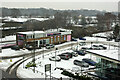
{"x":34,"y":50}
{"x":55,"y":56}
{"x":43,"y":44}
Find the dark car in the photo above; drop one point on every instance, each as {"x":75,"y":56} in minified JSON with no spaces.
{"x":81,"y":52}
{"x":81,"y":38}
{"x":75,"y":54}
{"x":73,"y":39}
{"x":85,"y":48}
{"x":64,"y":56}
{"x":48,"y":46}
{"x":16,"y":47}
{"x":70,"y":54}
{"x":29,"y":47}
{"x":89,"y":61}
{"x":103,"y":46}
{"x":81,"y":63}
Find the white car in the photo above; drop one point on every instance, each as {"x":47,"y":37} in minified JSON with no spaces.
{"x":53,"y":58}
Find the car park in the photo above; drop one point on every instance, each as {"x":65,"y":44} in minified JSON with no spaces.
{"x":16,"y":47}
{"x":89,"y":61}
{"x":57,"y":58}
{"x":64,"y":56}
{"x":81,"y":52}
{"x":48,"y":46}
{"x":81,"y":63}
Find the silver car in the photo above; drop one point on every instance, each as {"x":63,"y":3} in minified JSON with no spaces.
{"x":53,"y":58}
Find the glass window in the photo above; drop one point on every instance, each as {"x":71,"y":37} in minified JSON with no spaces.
{"x":64,"y":37}
{"x":55,"y":38}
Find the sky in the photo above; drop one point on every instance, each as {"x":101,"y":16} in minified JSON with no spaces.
{"x":108,"y":5}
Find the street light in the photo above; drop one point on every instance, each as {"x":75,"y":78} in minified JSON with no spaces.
{"x":55,"y":56}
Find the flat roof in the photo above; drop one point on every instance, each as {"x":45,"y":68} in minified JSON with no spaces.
{"x":111,"y":54}
{"x":31,"y":32}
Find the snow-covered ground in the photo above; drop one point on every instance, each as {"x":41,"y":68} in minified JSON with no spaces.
{"x":66,"y":64}
{"x":8,"y":38}
{"x":4,"y":64}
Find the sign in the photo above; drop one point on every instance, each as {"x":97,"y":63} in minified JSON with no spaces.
{"x":47,"y":67}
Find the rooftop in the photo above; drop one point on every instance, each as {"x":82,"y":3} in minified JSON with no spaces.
{"x":111,"y":54}
{"x":31,"y":32}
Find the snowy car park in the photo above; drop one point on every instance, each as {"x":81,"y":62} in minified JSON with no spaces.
{"x":22,"y":72}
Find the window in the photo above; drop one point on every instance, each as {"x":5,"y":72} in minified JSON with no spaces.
{"x":61,"y":37}
{"x":64,"y":37}
{"x":55,"y":38}
{"x":58,"y":38}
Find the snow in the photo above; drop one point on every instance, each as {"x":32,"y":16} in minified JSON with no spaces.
{"x":114,"y":54}
{"x":40,"y":19}
{"x":103,"y":34}
{"x":31,"y":32}
{"x":41,"y":62}
{"x":8,"y":38}
{"x":4,"y":64}
{"x":111,"y":52}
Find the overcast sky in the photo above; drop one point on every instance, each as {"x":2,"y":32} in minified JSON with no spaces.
{"x":108,"y":5}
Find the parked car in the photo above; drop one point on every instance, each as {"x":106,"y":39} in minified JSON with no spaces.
{"x":70,"y":54}
{"x":89,"y":61}
{"x":73,"y":39}
{"x":16,"y":47}
{"x":109,"y":39}
{"x":81,"y":52}
{"x":53,"y":58}
{"x":103,"y":46}
{"x":48,"y":46}
{"x":75,"y":54}
{"x":64,"y":56}
{"x":85,"y":48}
{"x":81,"y":63}
{"x":82,"y":43}
{"x":29,"y":47}
{"x":97,"y":47}
{"x":81,"y":38}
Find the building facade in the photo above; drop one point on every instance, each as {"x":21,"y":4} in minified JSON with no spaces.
{"x":41,"y":38}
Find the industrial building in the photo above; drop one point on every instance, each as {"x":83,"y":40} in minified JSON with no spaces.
{"x":41,"y":38}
